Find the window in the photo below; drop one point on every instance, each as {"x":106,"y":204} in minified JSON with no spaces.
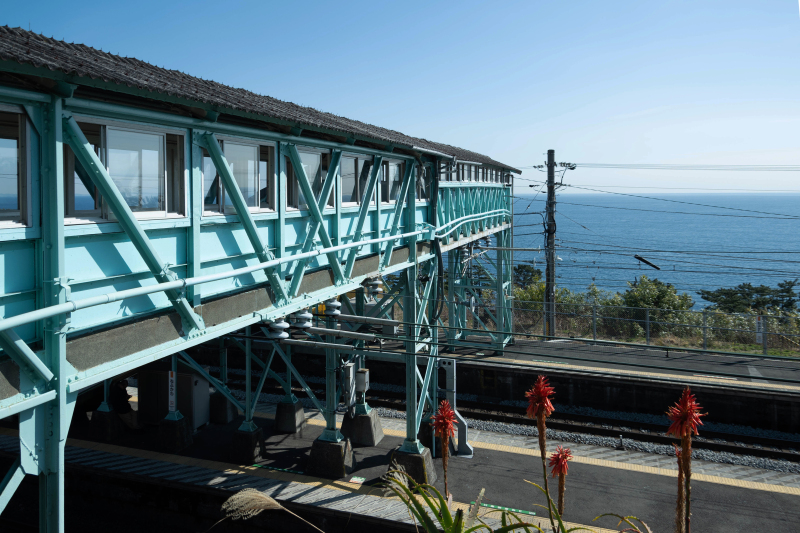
{"x":355,"y":172}
{"x":315,"y":165}
{"x":147,"y":168}
{"x":392,"y":175}
{"x":13,"y":172}
{"x":82,"y":197}
{"x":422,"y":184}
{"x":136,"y":165}
{"x":266,"y":178}
{"x":251,"y":166}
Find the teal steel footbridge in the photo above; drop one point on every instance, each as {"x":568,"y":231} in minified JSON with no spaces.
{"x":144,"y":211}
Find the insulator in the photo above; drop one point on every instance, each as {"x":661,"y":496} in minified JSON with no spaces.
{"x":374,"y":288}
{"x":278,"y":329}
{"x":302,"y":319}
{"x":332,"y":307}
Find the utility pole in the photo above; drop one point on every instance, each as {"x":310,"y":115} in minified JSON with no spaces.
{"x":550,"y":274}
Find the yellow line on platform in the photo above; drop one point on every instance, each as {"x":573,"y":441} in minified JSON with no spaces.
{"x":719,"y":480}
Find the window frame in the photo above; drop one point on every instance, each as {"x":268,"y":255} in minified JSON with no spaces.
{"x":105,"y":215}
{"x":359,"y":192}
{"x":260,"y":147}
{"x":385,"y":179}
{"x":23,"y":218}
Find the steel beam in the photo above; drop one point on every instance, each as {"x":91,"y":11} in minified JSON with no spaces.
{"x":9,"y":484}
{"x":317,"y":225}
{"x":218,"y":384}
{"x":314,"y":208}
{"x":209,"y":141}
{"x":26,"y":359}
{"x":126,"y":219}
{"x":362,"y":214}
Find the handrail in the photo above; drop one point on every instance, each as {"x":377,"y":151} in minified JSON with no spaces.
{"x":180,"y":284}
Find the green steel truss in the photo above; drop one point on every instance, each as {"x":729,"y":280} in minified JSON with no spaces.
{"x":49,"y":384}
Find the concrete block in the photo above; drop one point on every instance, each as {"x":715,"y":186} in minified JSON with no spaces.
{"x":107,"y":426}
{"x":175,"y":435}
{"x":427,"y":438}
{"x":222,"y":410}
{"x":417,"y":465}
{"x":363,"y":430}
{"x":247,"y":447}
{"x":331,"y":459}
{"x":289,"y":417}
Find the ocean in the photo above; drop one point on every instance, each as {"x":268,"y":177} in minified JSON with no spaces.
{"x":743,"y":239}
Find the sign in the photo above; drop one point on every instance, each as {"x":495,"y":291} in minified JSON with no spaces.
{"x":172,"y":399}
{"x":759,"y":330}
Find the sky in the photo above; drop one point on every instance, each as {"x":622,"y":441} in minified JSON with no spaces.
{"x":680,"y":82}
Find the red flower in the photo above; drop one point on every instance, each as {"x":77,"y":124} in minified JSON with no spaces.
{"x":685,"y":415}
{"x":444,"y":420}
{"x":558,"y":461}
{"x":539,"y":398}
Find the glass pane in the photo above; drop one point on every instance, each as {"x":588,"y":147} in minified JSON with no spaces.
{"x":243,"y":161}
{"x":210,"y":185}
{"x":136,"y":164}
{"x":265,"y":194}
{"x":364,"y":169}
{"x":84,"y":189}
{"x":312,"y":166}
{"x":394,"y":181}
{"x":9,"y":165}
{"x":349,"y":183}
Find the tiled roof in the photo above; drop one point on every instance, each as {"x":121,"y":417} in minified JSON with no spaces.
{"x":25,"y":47}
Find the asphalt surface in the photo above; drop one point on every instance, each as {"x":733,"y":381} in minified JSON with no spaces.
{"x":591,"y":490}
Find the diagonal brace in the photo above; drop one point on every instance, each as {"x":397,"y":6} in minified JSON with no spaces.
{"x":397,"y":216}
{"x":362,"y":213}
{"x":9,"y":484}
{"x":20,"y":353}
{"x":221,"y":387}
{"x":314,"y":208}
{"x":299,"y":378}
{"x":209,"y":142}
{"x":312,"y":228}
{"x":108,"y":189}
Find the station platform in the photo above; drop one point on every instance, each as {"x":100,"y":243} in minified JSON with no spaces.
{"x":600,"y":480}
{"x":653,"y":362}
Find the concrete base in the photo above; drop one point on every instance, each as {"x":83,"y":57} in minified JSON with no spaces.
{"x":247,"y":447}
{"x":289,"y":417}
{"x":221,"y":410}
{"x":427,"y":439}
{"x":331,"y":459}
{"x":363,"y":430}
{"x":417,"y":465}
{"x":175,"y":435}
{"x":107,"y":426}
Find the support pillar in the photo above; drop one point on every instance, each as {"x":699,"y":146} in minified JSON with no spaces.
{"x":289,"y":413}
{"x":412,"y":455}
{"x":222,"y":411}
{"x":248,"y":439}
{"x":51,"y":421}
{"x":174,"y":431}
{"x":331,"y":454}
{"x":362,"y":426}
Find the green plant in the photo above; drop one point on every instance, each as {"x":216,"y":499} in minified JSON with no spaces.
{"x":443,"y":425}
{"x":685,"y":417}
{"x":248,"y":503}
{"x":433,"y":506}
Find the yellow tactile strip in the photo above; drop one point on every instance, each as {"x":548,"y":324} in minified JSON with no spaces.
{"x":795,"y":491}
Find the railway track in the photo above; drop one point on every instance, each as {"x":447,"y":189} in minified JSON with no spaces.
{"x":606,"y":427}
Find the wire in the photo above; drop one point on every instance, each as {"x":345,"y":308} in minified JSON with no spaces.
{"x":791,"y":217}
{"x":783,"y":217}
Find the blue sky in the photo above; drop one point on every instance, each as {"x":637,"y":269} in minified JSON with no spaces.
{"x":712,"y":82}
